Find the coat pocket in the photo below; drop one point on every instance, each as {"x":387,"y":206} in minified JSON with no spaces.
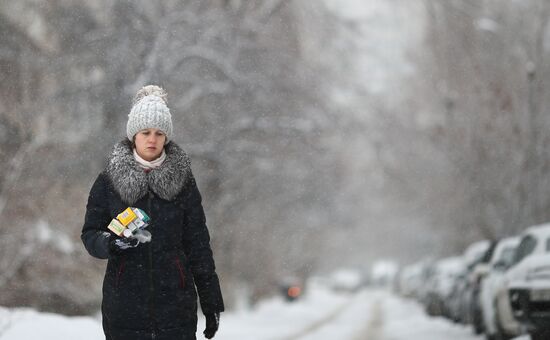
{"x":181,"y":272}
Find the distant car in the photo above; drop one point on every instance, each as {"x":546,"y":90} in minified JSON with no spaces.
{"x":496,"y":311}
{"x":427,"y":277}
{"x":291,"y":288}
{"x":477,"y":269}
{"x":455,"y":301}
{"x":529,"y":282}
{"x":463,"y":306}
{"x":411,"y":279}
{"x":346,"y":280}
{"x":384,"y":273}
{"x":440,"y":286}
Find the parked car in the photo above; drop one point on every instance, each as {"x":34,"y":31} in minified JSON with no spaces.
{"x":427,"y":276}
{"x":464,"y":306}
{"x":411,"y":279}
{"x":291,"y":288}
{"x":496,"y":311}
{"x":346,"y":280}
{"x":455,"y":302}
{"x":477,"y":269}
{"x":529,"y":282}
{"x":440,"y":285}
{"x":384,"y":273}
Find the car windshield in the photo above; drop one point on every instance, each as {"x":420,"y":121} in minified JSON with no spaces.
{"x":526,"y":247}
{"x":507,"y":255}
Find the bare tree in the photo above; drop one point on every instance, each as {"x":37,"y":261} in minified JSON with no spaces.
{"x":488,"y":99}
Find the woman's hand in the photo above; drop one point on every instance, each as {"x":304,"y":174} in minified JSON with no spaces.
{"x":117,"y":244}
{"x":212,"y":324}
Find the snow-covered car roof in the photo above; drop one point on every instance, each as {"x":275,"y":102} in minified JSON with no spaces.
{"x":541,"y":231}
{"x":531,"y":268}
{"x":502,"y":245}
{"x":451,"y":265}
{"x":475,"y":251}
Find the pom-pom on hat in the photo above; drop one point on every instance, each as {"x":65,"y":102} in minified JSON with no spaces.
{"x":149,"y":111}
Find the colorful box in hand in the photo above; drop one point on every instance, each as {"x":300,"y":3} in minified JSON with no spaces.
{"x":129,"y":222}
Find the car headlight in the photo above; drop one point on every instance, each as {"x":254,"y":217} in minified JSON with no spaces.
{"x":539,"y":295}
{"x":540,"y":273}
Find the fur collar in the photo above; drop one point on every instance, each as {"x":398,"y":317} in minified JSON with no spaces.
{"x":132,"y":183}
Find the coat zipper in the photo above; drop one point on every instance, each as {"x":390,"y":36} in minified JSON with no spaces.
{"x":151,"y":283}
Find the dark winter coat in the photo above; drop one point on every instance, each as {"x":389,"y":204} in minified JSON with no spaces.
{"x":149,"y":291}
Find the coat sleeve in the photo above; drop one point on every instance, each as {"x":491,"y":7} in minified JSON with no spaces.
{"x":95,"y":234}
{"x":201,"y":260}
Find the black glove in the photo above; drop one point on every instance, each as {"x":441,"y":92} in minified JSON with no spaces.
{"x":212,"y":324}
{"x":119,"y":244}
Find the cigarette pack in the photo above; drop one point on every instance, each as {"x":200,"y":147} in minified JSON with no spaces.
{"x":136,"y":224}
{"x":116,"y":227}
{"x":126,"y":216}
{"x":141,"y":214}
{"x":130,"y":222}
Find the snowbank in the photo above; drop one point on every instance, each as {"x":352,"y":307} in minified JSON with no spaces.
{"x":24,"y":323}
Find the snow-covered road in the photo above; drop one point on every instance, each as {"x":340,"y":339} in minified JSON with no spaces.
{"x":321,"y":314}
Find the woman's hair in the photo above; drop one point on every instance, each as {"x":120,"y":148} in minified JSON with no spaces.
{"x":150,"y":90}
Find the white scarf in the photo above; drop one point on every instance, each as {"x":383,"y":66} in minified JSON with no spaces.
{"x":146,"y":165}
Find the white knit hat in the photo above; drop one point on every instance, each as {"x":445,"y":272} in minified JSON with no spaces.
{"x":149,"y":111}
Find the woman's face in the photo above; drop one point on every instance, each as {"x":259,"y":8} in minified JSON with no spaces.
{"x":149,"y":143}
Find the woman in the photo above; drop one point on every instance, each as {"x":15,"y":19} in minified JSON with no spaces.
{"x":149,"y":288}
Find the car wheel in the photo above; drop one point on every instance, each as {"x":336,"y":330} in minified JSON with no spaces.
{"x":478,"y":323}
{"x":500,"y":333}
